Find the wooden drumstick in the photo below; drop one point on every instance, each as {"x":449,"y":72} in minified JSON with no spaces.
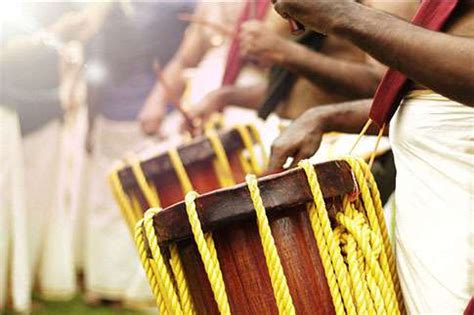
{"x":218,"y":27}
{"x":172,"y":97}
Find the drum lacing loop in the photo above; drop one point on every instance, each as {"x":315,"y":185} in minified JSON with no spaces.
{"x":207,"y":250}
{"x":148,"y":265}
{"x":122,"y":199}
{"x":165,"y":281}
{"x":221,"y":163}
{"x":357,"y":252}
{"x":275,"y":269}
{"x":251,"y":165}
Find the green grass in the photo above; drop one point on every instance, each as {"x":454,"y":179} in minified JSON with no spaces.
{"x":76,"y":307}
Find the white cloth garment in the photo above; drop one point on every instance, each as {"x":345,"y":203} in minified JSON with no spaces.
{"x":433,"y":143}
{"x":112,"y":268}
{"x":15,"y":272}
{"x":54,"y":158}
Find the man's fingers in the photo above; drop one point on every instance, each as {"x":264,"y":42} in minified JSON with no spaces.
{"x":279,"y":154}
{"x":302,"y":154}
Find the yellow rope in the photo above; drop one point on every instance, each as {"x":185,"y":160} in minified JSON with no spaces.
{"x":180,"y":170}
{"x":221,"y":163}
{"x":150,"y":196}
{"x":147,"y":265}
{"x":390,"y":256}
{"x":248,"y":143}
{"x":181,"y":283}
{"x":360,"y":243}
{"x":320,"y":222}
{"x":165,"y":279}
{"x":277,"y":275}
{"x":211,"y":265}
{"x":258,"y":139}
{"x":175,"y":261}
{"x":122,"y":199}
{"x":377,"y":224}
{"x":188,"y":188}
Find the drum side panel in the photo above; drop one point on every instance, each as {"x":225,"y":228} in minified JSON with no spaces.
{"x":301,"y":262}
{"x":168,"y":188}
{"x":246,"y":274}
{"x":237,"y":171}
{"x":244,"y":269}
{"x":203,"y":177}
{"x":196,"y":277}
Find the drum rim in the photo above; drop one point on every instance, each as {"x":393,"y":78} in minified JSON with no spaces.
{"x":198,"y":150}
{"x":171,"y":223}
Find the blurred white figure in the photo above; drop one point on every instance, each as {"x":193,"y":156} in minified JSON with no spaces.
{"x":14,"y":267}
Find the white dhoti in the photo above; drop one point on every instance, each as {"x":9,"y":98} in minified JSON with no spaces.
{"x":433,"y":143}
{"x":54,"y":158}
{"x":111,"y":260}
{"x":15,"y":271}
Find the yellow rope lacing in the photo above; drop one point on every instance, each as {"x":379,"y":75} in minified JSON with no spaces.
{"x":221,"y":163}
{"x":210,"y":251}
{"x":168,"y":301}
{"x":175,"y":262}
{"x":277,"y":275}
{"x":150,"y":195}
{"x":148,"y":266}
{"x":356,"y":250}
{"x":388,"y":249}
{"x":251,"y":165}
{"x":122,"y":199}
{"x":259,"y":142}
{"x":207,"y":250}
{"x":165,"y":281}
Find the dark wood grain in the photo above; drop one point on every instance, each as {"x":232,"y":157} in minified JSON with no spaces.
{"x":278,"y":192}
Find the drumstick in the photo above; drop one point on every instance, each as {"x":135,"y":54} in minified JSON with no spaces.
{"x":218,"y":27}
{"x":171,"y":96}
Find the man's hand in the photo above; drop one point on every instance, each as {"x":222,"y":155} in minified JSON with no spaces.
{"x":151,"y":115}
{"x":319,"y":15}
{"x":258,"y":42}
{"x":300,"y":140}
{"x":214,"y":101}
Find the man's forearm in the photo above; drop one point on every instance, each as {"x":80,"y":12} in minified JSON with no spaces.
{"x":348,"y":117}
{"x":438,"y":61}
{"x":336,"y":75}
{"x":245,"y":96}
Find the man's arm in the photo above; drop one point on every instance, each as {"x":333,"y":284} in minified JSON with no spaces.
{"x":438,"y":61}
{"x":341,"y":76}
{"x":249,"y":97}
{"x":336,"y":73}
{"x":303,"y":137}
{"x":191,"y":51}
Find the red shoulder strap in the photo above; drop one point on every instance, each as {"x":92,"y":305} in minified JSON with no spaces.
{"x":433,"y":15}
{"x":234,"y":62}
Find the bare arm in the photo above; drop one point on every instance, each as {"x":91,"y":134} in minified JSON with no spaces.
{"x":335,"y":73}
{"x":345,"y":77}
{"x":191,"y":51}
{"x":438,"y":61}
{"x":242,"y":96}
{"x":303,"y":137}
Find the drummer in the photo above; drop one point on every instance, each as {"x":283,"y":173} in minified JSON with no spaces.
{"x":318,"y":70}
{"x":431,"y":135}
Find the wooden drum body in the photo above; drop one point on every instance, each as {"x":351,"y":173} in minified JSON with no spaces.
{"x":198,"y":159}
{"x":230,"y":215}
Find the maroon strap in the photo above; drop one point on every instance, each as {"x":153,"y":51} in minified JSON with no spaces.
{"x":234,"y":62}
{"x":433,"y":15}
{"x":470,"y":307}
